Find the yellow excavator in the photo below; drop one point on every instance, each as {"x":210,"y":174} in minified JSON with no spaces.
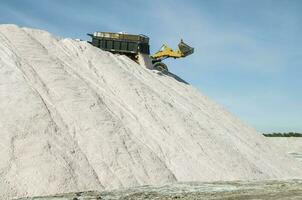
{"x":135,"y":45}
{"x":167,"y":52}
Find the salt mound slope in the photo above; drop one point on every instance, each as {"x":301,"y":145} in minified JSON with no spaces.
{"x":77,"y":118}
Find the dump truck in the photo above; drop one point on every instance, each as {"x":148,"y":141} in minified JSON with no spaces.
{"x":137,"y":48}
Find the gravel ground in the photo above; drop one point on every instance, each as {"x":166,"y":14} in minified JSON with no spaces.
{"x":265,"y":190}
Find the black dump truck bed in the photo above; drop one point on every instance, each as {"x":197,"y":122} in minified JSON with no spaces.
{"x":121,"y":43}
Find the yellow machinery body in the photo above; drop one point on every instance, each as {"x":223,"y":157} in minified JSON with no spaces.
{"x":167,"y":52}
{"x":134,"y":45}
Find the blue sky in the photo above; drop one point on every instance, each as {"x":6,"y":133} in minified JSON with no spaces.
{"x":248,"y":54}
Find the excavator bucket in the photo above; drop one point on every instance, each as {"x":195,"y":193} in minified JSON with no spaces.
{"x":185,"y":49}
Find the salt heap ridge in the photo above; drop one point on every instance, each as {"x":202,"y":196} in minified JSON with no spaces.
{"x":76,"y":118}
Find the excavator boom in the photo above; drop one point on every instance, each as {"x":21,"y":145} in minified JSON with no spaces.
{"x":166,"y":52}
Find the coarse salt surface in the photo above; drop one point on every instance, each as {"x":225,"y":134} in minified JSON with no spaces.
{"x":76,"y":118}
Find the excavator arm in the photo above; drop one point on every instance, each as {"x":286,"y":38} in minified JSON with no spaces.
{"x":167,"y":52}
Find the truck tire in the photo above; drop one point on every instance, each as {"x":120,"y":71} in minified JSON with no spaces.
{"x":162,"y":67}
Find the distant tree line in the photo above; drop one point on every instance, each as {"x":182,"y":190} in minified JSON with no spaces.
{"x":290,"y":134}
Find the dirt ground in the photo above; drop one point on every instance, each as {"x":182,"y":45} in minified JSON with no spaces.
{"x":264,"y":190}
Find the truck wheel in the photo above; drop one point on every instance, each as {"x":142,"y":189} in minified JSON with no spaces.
{"x":162,"y":67}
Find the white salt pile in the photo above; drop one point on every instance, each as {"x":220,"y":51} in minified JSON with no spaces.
{"x":290,"y":145}
{"x":76,"y":118}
